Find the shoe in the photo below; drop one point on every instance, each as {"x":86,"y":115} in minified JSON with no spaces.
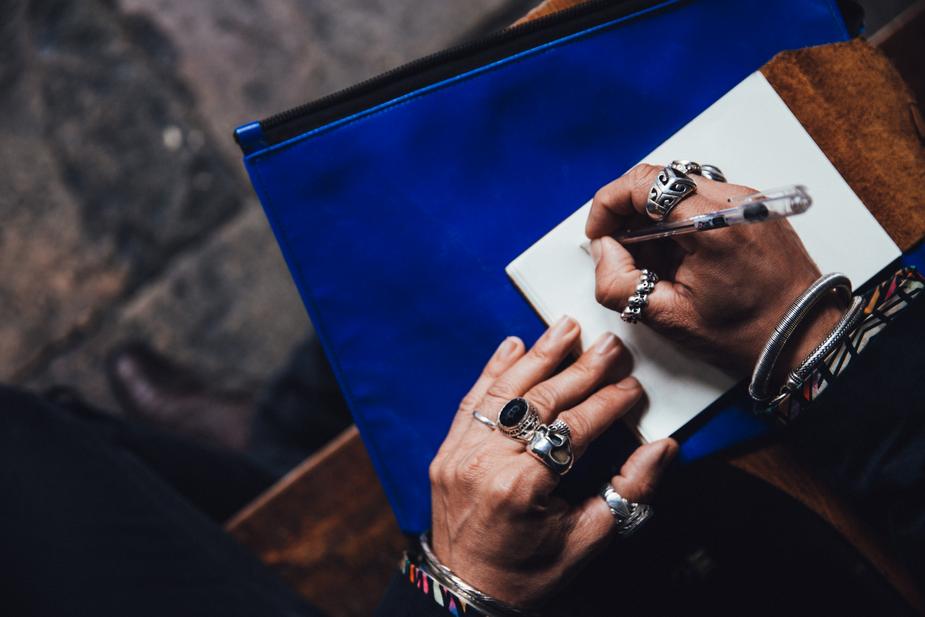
{"x":153,"y":389}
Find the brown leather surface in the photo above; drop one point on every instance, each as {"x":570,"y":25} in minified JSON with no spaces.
{"x":856,"y":107}
{"x":327,"y":529}
{"x":547,"y":8}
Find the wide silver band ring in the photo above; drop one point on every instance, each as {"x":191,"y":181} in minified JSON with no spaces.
{"x":692,"y":167}
{"x":668,"y":189}
{"x":484,"y":419}
{"x":629,"y":515}
{"x":518,"y":419}
{"x":640,"y":298}
{"x":552,"y":446}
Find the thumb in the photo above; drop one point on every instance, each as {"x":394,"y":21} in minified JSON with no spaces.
{"x":594,"y":525}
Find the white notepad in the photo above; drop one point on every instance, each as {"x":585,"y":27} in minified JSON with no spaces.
{"x":753,"y":137}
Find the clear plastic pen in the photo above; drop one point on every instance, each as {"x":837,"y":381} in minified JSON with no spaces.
{"x":755,"y":208}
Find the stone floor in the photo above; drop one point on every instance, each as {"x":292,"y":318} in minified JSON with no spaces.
{"x":124,"y":210}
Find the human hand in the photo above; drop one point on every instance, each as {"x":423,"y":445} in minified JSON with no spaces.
{"x":721,"y":292}
{"x":496,"y":522}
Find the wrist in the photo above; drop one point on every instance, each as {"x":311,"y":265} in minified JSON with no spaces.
{"x":812,"y":330}
{"x":487,"y":592}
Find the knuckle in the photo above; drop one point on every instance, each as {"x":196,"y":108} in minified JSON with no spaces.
{"x":502,"y":389}
{"x":578,"y":424}
{"x":474,"y":470}
{"x":498,"y":364}
{"x":435,"y":472}
{"x":440,"y":474}
{"x":642,"y":173}
{"x":606,"y":292}
{"x":614,"y":400}
{"x":508,"y":493}
{"x":669,"y":314}
{"x":544,"y":396}
{"x":587,"y":367}
{"x":468,"y":402}
{"x":542,"y":352}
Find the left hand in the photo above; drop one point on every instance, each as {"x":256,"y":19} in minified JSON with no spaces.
{"x":496,"y":521}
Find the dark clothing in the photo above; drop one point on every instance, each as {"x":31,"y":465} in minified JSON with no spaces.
{"x":866,"y":436}
{"x":103,"y":518}
{"x":89,"y":526}
{"x":301,"y":411}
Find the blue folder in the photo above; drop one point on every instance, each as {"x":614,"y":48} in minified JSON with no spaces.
{"x":398,"y":202}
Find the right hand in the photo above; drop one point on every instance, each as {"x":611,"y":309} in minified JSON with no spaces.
{"x":721,"y":292}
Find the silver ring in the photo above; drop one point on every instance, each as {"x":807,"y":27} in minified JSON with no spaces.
{"x":484,"y":420}
{"x":553,"y":448}
{"x":629,"y":515}
{"x":668,"y":189}
{"x":712,"y":172}
{"x":518,"y":419}
{"x":640,"y":298}
{"x":691,"y":167}
{"x":561,"y":427}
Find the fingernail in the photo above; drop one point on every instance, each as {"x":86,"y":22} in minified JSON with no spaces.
{"x":507,"y":347}
{"x":562,"y":327}
{"x":628,"y":383}
{"x":605,"y":344}
{"x":596,"y":250}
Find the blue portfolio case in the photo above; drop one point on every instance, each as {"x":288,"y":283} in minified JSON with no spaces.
{"x":398,"y":202}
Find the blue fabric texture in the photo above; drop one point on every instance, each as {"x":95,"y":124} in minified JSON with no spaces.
{"x":397,"y":222}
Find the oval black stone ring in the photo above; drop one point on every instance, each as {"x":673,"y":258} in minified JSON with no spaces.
{"x":518,"y":419}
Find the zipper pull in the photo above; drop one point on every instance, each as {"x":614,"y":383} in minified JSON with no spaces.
{"x":250,"y":138}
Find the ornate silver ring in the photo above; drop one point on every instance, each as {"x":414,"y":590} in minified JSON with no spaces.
{"x":691,"y":167}
{"x":640,"y":298}
{"x":518,"y":419}
{"x":561,"y":427}
{"x":552,"y":445}
{"x":484,"y":420}
{"x":668,"y":190}
{"x":629,"y":515}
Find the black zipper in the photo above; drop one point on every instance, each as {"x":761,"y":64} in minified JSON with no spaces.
{"x":433,"y":69}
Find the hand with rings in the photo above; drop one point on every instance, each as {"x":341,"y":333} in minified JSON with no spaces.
{"x":496,"y":522}
{"x":719,"y":293}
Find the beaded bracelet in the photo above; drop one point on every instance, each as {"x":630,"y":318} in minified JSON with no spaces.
{"x":421,"y":579}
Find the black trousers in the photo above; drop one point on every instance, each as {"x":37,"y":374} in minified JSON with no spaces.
{"x":98,"y":517}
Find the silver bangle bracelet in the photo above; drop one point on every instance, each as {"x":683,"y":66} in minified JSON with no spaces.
{"x":758,"y":388}
{"x":479,"y":600}
{"x":845,"y":325}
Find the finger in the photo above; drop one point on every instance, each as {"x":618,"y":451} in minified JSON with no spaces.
{"x":533,"y":367}
{"x":642,"y":470}
{"x":594,"y":524}
{"x":592,"y":417}
{"x":508,"y":352}
{"x":574,"y":384}
{"x":616,"y":277}
{"x":626,"y":197}
{"x":620,"y":200}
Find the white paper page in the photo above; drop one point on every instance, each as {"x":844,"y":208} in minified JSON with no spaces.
{"x":754,"y":138}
